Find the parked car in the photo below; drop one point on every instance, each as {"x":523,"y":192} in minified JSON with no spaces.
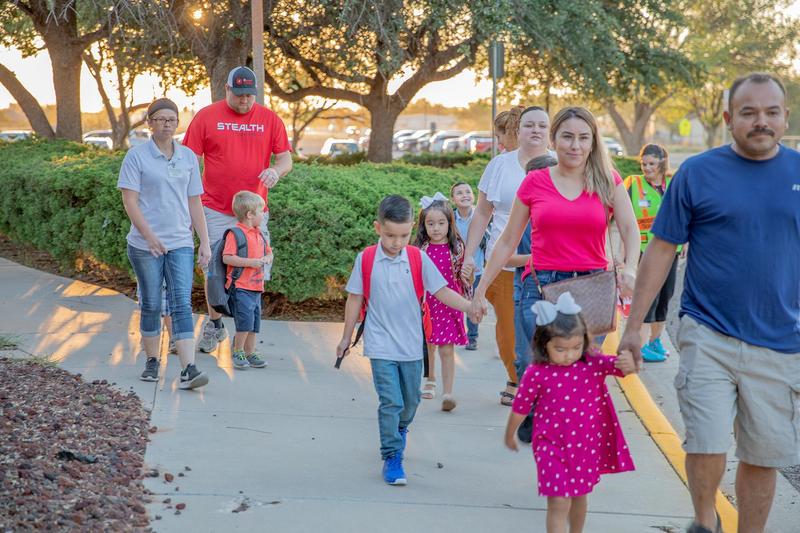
{"x":399,"y":136}
{"x":480,"y":145}
{"x":613,"y":146}
{"x":98,"y":141}
{"x":464,"y":140}
{"x":14,"y":135}
{"x":414,"y":143}
{"x":451,"y":145}
{"x":437,"y":139}
{"x":333,"y":147}
{"x":135,"y":138}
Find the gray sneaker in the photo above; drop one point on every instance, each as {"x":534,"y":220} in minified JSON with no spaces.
{"x":211,"y":337}
{"x":472,"y":345}
{"x":256,"y":361}
{"x":240,"y":361}
{"x":191,"y":378}
{"x":150,"y":370}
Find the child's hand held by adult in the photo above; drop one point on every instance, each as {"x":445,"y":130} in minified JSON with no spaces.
{"x":267,"y":259}
{"x":625,"y":362}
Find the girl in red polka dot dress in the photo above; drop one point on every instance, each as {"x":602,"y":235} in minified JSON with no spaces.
{"x":437,"y":235}
{"x":576,"y":434}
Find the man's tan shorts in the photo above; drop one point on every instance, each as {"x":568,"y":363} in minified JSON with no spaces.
{"x":218,"y":222}
{"x":723,"y":382}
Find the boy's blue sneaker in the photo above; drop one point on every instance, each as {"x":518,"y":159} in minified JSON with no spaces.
{"x":659,"y":348}
{"x":651,"y":356}
{"x":393,"y":472}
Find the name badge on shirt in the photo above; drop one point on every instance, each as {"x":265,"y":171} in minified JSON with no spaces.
{"x":174,"y":172}
{"x":644,"y":203}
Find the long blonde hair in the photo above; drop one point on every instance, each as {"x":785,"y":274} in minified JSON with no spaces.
{"x":599,"y":177}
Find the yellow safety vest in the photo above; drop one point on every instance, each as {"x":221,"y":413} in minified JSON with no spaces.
{"x":646,"y":202}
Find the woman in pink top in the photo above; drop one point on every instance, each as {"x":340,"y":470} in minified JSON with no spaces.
{"x":568,"y":206}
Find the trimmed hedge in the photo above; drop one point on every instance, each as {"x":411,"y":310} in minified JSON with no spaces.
{"x":62,"y":197}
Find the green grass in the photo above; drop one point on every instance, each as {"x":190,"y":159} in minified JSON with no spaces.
{"x":8,"y":341}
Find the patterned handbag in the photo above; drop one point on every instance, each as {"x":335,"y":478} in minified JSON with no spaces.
{"x":595,"y":293}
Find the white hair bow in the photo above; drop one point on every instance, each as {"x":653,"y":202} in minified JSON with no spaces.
{"x":546,"y":312}
{"x":426,"y":201}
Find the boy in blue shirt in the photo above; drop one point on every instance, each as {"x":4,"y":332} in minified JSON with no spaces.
{"x":464,"y":199}
{"x":393,"y":336}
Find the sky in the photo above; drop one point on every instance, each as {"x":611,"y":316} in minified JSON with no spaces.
{"x":35,"y":74}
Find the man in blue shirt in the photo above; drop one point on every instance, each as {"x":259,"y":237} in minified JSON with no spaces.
{"x":739,"y":338}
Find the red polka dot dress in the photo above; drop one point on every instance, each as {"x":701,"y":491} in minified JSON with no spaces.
{"x":448,"y":323}
{"x":576,"y":434}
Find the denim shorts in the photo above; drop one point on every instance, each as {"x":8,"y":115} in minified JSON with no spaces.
{"x":246,"y":307}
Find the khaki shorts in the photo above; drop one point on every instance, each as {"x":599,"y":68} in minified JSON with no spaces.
{"x":218,"y":222}
{"x":723,"y":382}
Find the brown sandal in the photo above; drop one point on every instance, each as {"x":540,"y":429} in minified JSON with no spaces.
{"x":507,"y":398}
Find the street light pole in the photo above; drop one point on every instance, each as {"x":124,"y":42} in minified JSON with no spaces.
{"x":257,"y":31}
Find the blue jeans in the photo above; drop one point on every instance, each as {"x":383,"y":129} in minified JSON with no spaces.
{"x":472,"y":328}
{"x":525,"y":318}
{"x":176,"y":267}
{"x":397,"y":384}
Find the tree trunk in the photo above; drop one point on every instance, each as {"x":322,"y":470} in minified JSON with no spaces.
{"x":711,"y":131}
{"x":66,"y":64}
{"x":233,"y":54}
{"x":633,"y":137}
{"x":380,"y":138}
{"x":33,"y":111}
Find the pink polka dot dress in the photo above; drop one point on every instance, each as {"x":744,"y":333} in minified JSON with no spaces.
{"x":576,"y":433}
{"x":448,"y":323}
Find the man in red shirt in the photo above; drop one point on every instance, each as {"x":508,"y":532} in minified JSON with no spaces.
{"x":236,"y":138}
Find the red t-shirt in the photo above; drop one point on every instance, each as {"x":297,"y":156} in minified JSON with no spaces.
{"x":252,"y":278}
{"x":235,"y":149}
{"x":567,"y":235}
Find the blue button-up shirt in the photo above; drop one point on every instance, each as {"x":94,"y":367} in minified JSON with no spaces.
{"x":463,"y":229}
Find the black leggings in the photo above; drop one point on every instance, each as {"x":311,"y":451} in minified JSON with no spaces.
{"x":658,"y":311}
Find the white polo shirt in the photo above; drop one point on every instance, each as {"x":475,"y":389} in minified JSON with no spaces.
{"x":393,"y":329}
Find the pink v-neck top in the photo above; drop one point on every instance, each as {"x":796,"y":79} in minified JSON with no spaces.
{"x":568,"y":235}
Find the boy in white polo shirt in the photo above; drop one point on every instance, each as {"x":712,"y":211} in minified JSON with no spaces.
{"x":393,"y":331}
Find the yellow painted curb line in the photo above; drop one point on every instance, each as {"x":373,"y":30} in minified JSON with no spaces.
{"x":664,"y":434}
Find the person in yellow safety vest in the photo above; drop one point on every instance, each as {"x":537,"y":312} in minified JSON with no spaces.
{"x":646,"y":192}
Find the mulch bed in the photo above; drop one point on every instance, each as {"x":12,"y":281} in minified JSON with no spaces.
{"x":275,"y":306}
{"x":71,"y":452}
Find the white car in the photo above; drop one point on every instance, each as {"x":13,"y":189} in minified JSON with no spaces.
{"x":438,"y":139}
{"x":100,"y":142}
{"x":14,"y":135}
{"x":334,"y":147}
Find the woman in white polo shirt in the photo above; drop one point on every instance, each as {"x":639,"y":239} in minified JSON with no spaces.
{"x":161,"y":188}
{"x":496,"y":193}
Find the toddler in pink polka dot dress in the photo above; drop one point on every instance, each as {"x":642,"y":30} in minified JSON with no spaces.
{"x":437,"y":235}
{"x":576,"y":434}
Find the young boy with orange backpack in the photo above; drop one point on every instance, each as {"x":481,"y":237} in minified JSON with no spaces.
{"x":389,"y":280}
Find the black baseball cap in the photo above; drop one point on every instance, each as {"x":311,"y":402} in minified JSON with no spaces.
{"x":242,"y":80}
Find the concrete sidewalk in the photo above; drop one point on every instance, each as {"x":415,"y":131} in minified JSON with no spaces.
{"x":297,"y":442}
